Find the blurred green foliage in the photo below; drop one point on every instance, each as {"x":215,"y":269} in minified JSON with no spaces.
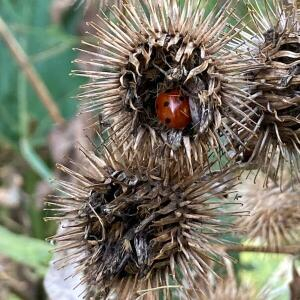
{"x":33,"y":253}
{"x":260,"y":269}
{"x":25,"y":123}
{"x":50,"y":48}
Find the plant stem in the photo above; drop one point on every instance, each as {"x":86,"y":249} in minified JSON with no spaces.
{"x":30,"y":72}
{"x":291,"y":249}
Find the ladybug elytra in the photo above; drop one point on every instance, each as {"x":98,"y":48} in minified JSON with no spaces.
{"x":173,"y":109}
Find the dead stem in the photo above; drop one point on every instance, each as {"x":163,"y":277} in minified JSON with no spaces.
{"x":30,"y":72}
{"x":290,"y":249}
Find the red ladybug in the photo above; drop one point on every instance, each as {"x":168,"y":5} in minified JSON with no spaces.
{"x":173,"y":109}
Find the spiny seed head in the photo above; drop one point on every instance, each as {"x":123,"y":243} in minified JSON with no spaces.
{"x":274,"y":214}
{"x":273,"y":37}
{"x":228,"y":289}
{"x":150,"y":49}
{"x":225,"y":288}
{"x":128,"y":232}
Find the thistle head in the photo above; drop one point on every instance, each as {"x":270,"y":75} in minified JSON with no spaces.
{"x":228,"y":289}
{"x":273,"y":38}
{"x":154,"y":51}
{"x":128,"y":232}
{"x":274,"y":214}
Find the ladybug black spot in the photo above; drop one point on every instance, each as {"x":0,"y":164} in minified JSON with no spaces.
{"x":166,"y":103}
{"x":167,"y":120}
{"x":181,"y":98}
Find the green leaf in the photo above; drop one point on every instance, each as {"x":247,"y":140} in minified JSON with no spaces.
{"x":13,"y":297}
{"x":28,"y":251}
{"x":262,"y":273}
{"x":261,"y":267}
{"x":49,"y":48}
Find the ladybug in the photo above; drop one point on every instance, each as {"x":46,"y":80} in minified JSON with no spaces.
{"x":173,"y":109}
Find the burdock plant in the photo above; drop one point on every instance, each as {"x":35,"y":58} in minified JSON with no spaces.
{"x":273,"y":40}
{"x":164,"y":79}
{"x":274,"y":219}
{"x":183,"y":95}
{"x":131,"y":236}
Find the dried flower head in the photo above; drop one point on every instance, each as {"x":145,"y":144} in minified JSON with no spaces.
{"x":131,"y":233}
{"x":226,"y":288}
{"x":167,"y":82}
{"x":274,"y":41}
{"x":229,"y":290}
{"x":274,"y":214}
